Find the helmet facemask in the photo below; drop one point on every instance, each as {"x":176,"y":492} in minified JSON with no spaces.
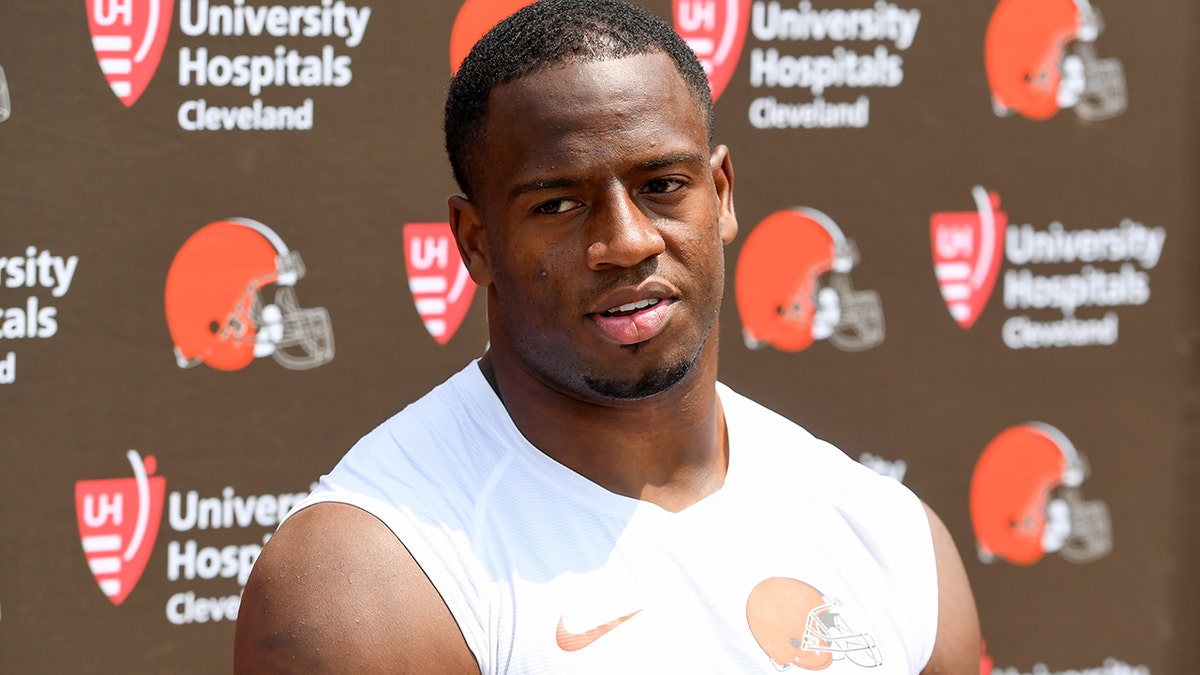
{"x":1102,"y":93}
{"x":1090,"y":535}
{"x":859,"y":324}
{"x":828,"y":632}
{"x":297,"y":338}
{"x":5,"y":98}
{"x":1103,"y":96}
{"x":307,"y":331}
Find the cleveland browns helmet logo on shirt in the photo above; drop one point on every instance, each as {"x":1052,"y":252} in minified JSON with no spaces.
{"x":799,"y":627}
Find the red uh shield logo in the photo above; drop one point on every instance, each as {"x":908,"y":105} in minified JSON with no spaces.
{"x":118,"y":522}
{"x":967,"y":247}
{"x":715,"y":30}
{"x":437,"y":278}
{"x":129,"y":37}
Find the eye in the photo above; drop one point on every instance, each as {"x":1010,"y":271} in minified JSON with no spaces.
{"x":555,"y":206}
{"x":664,"y":186}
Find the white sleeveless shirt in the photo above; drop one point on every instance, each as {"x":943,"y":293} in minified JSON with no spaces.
{"x":803,"y":558}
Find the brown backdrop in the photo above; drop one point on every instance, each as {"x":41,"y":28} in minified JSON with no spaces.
{"x":120,"y":186}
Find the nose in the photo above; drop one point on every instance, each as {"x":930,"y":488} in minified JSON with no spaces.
{"x":622,"y":234}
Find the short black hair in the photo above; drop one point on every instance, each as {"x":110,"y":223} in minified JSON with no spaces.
{"x":550,"y":32}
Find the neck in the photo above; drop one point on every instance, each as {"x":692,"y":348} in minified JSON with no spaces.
{"x":669,"y":449}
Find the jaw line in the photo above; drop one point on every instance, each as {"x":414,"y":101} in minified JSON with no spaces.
{"x":651,"y":384}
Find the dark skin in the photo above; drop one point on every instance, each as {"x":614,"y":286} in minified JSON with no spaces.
{"x":605,"y":195}
{"x":610,"y":196}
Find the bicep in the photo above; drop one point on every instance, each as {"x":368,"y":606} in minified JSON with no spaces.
{"x":956,"y":648}
{"x":334,"y":591}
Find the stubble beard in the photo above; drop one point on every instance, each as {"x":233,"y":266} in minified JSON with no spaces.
{"x":666,"y":375}
{"x":652,"y":383}
{"x":657,"y":380}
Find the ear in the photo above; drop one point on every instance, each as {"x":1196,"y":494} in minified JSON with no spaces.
{"x":466,"y":222}
{"x":722,"y":172}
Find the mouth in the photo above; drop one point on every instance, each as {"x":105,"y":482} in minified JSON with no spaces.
{"x":634,"y":322}
{"x":631,"y":307}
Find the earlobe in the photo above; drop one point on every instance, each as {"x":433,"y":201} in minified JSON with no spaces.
{"x":722,"y":171}
{"x":466,"y":222}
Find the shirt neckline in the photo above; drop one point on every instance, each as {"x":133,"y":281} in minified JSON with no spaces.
{"x":576,"y":486}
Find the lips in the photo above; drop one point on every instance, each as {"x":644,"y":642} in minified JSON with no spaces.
{"x":632,"y":316}
{"x":632,"y":307}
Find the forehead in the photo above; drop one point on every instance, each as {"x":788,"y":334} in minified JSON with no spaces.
{"x":595,"y":116}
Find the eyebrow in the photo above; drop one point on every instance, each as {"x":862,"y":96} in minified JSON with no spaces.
{"x":541,"y":184}
{"x":672,"y":160}
{"x":567,"y":181}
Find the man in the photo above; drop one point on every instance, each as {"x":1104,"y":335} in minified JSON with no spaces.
{"x":586,"y":497}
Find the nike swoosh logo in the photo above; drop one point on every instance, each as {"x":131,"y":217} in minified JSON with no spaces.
{"x":571,"y":642}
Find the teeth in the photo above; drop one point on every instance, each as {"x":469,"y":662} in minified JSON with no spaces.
{"x":633,"y":306}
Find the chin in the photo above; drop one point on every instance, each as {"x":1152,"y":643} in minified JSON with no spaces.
{"x":660,"y":378}
{"x":650,"y":384}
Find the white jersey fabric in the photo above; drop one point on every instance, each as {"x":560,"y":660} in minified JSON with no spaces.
{"x":803,"y":558}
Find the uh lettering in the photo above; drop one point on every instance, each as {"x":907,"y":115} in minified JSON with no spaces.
{"x":955,"y":241}
{"x":104,"y":508}
{"x":430,"y":252}
{"x":106,"y":12}
{"x":696,"y":15}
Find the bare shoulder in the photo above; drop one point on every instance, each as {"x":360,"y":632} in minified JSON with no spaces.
{"x":957,"y":650}
{"x":334,"y":591}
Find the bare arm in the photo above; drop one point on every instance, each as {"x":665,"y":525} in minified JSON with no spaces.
{"x":334,"y":591}
{"x":956,"y":650}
